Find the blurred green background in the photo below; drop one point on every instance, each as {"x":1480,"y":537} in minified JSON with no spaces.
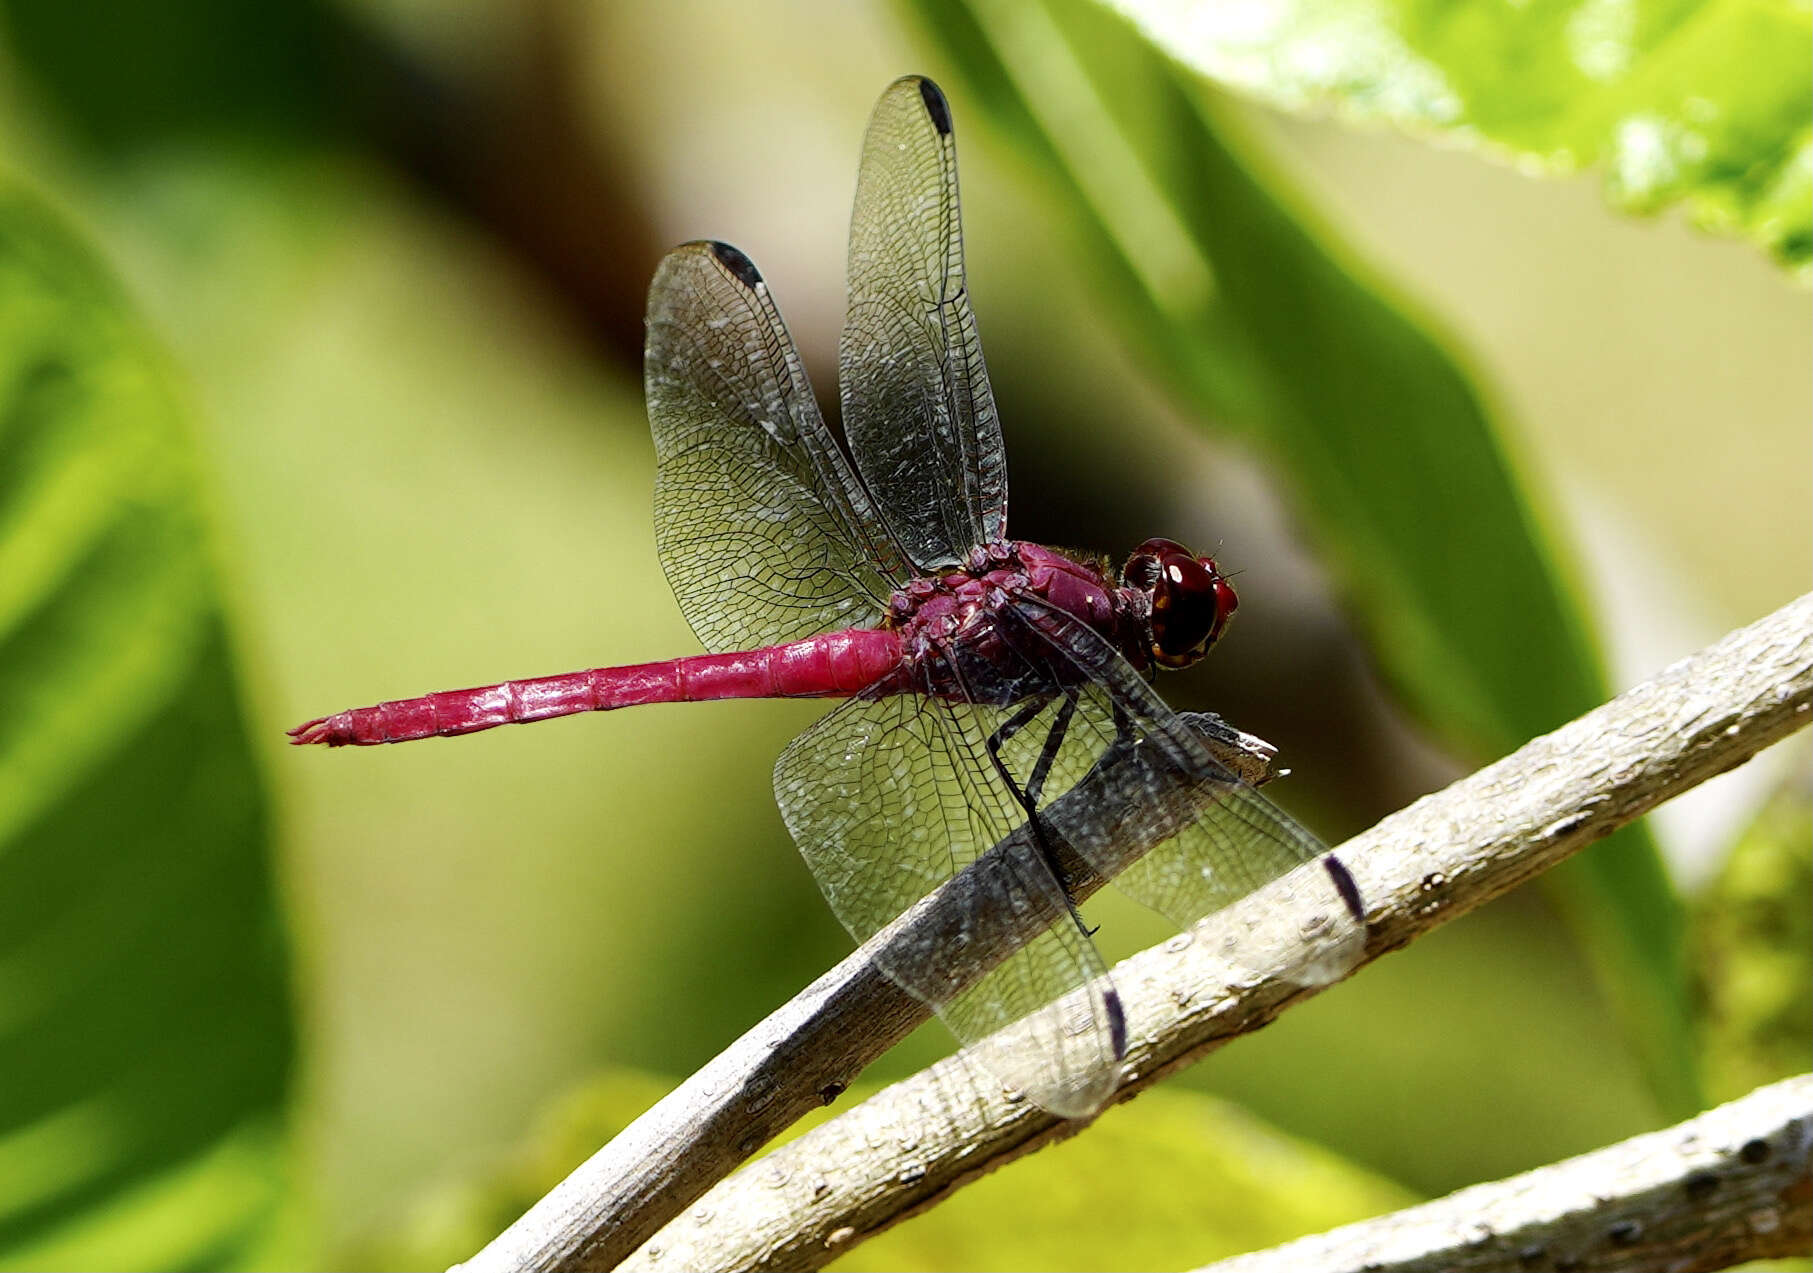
{"x":320,"y":384}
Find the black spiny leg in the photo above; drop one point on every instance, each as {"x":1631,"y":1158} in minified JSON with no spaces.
{"x":1028,"y":796}
{"x":1048,"y":754}
{"x":1027,"y":714}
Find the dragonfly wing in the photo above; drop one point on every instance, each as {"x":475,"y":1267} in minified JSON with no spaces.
{"x":892,"y":796}
{"x":1213,"y":838}
{"x":764,"y":532}
{"x":917,"y":408}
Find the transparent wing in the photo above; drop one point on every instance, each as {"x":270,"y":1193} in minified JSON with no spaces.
{"x":764,"y":532}
{"x":890,"y":797}
{"x":917,"y":408}
{"x":1185,"y":836}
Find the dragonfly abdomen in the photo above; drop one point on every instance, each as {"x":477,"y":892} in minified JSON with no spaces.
{"x":832,"y":665}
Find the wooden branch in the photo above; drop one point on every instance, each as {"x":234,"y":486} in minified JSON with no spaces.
{"x":1729,"y":1186}
{"x":900,"y":1151}
{"x":814,"y":1198}
{"x":806,"y":1053}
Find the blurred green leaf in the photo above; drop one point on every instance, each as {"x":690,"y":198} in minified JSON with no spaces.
{"x":124,"y":77}
{"x":145,"y":1034}
{"x":1185,"y":1177}
{"x":1702,"y":101}
{"x":1396,"y":469}
{"x":1754,"y":937}
{"x":455,"y":1217}
{"x":1168,"y":1181}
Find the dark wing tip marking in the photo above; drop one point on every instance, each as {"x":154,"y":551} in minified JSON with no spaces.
{"x":1344,"y":885}
{"x":1117,"y":1023}
{"x":738,"y":264}
{"x":936,"y":106}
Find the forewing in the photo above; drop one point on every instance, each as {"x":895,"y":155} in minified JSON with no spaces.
{"x":917,"y":408}
{"x":762,"y":528}
{"x":892,"y":796}
{"x":1185,"y":836}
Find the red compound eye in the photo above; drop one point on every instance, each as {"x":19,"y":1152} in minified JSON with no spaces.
{"x":1191,"y":602}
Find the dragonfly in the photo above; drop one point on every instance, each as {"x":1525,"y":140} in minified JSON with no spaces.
{"x":980,"y":678}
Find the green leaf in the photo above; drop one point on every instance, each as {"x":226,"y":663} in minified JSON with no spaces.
{"x":1184,"y":1178}
{"x":156,"y":75}
{"x":1753,"y":936}
{"x":145,"y":1032}
{"x":455,"y":1217}
{"x":1396,"y":468}
{"x":1702,"y":101}
{"x":1171,"y":1180}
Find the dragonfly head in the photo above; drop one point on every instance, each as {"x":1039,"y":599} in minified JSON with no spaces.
{"x":1191,"y":601}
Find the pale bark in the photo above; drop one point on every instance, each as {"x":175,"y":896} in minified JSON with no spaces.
{"x":900,"y":1151}
{"x":1729,"y":1186}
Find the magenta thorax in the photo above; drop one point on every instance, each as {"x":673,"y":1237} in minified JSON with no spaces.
{"x":950,"y":625}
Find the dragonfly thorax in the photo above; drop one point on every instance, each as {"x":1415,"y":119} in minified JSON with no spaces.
{"x":948,"y":621}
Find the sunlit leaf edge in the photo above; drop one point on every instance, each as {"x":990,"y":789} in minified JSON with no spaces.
{"x":1701,"y":105}
{"x":129,"y":736}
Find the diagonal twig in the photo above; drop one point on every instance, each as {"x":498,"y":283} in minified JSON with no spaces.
{"x":805,"y":1054}
{"x":1731,"y":1185}
{"x":897,"y":1153}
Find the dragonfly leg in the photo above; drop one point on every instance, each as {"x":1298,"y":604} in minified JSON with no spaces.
{"x":1048,"y":754}
{"x":1028,"y":713}
{"x":1028,"y":794}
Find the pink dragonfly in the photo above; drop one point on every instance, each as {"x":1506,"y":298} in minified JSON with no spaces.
{"x":981,"y":677}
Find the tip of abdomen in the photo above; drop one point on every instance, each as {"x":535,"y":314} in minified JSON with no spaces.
{"x":330,"y":731}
